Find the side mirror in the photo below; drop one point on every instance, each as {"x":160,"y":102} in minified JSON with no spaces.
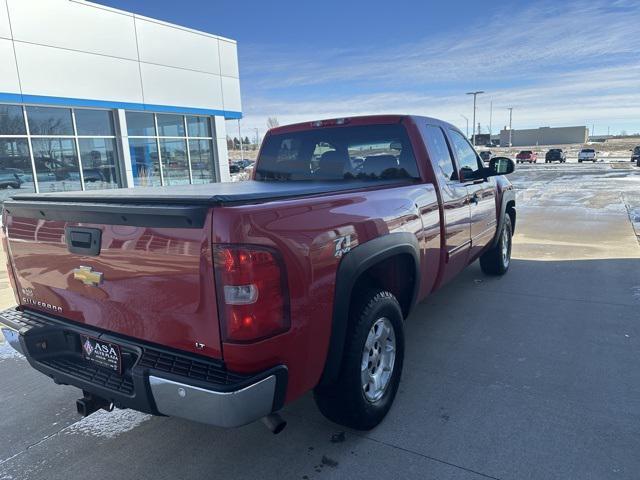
{"x":499,"y":166}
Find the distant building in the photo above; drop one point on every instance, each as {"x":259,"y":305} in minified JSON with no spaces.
{"x":544,"y":136}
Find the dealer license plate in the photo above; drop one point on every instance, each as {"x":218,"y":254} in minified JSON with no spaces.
{"x":103,"y":354}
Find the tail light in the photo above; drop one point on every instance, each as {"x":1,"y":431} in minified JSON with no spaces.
{"x":253,"y":298}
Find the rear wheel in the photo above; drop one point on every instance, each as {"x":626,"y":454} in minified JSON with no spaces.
{"x":371,"y":365}
{"x":497,"y":260}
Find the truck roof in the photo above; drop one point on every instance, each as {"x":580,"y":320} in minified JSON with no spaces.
{"x":351,"y":121}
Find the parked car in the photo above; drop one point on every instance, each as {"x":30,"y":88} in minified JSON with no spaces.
{"x":635,"y":155}
{"x":296,"y":280}
{"x":527,"y":156}
{"x":587,"y":155}
{"x":233,"y":168}
{"x":486,"y":155}
{"x":555,"y":155}
{"x":9,"y":178}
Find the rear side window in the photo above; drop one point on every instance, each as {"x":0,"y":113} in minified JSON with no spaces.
{"x":371,"y":152}
{"x":439,"y":152}
{"x":467,"y":158}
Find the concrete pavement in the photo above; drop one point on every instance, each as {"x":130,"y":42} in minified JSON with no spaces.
{"x":532,"y":375}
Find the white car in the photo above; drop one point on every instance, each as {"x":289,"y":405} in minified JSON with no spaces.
{"x":587,"y":155}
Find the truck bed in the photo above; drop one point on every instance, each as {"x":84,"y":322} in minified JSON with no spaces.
{"x":211,"y":194}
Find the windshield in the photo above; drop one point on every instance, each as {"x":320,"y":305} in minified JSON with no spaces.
{"x":370,"y":152}
{"x":587,"y":150}
{"x":636,"y":150}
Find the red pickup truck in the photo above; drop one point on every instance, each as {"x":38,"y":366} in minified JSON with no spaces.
{"x":527,"y":156}
{"x":221,"y":303}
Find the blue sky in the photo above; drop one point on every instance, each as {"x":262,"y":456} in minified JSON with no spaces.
{"x":557,"y":63}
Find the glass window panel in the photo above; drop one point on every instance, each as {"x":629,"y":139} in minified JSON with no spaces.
{"x":467,"y":158}
{"x":199,"y":126}
{"x":99,"y":163}
{"x":56,"y":164}
{"x":94,"y":122}
{"x":170,"y":125}
{"x":202,"y":161}
{"x":439,"y":152}
{"x":49,"y":121}
{"x":12,"y":120}
{"x":144,"y":158}
{"x":140,"y":124}
{"x":174,"y":162}
{"x":15,"y":167}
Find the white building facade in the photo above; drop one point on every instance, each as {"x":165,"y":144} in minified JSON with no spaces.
{"x":93,"y":97}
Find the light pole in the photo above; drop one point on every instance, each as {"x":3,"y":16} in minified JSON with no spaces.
{"x":475,"y":94}
{"x":467,"y":120}
{"x":490,"y":118}
{"x":510,"y":118}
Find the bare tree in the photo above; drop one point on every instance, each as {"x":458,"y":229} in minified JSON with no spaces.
{"x":272,"y":122}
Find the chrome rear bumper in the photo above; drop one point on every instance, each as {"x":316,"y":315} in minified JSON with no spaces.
{"x":144,"y":385}
{"x":223,"y":409}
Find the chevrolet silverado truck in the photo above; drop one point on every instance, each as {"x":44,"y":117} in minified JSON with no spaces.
{"x":221,"y":303}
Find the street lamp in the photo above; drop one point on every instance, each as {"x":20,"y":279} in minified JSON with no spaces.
{"x":466,"y":120}
{"x":510,"y":119}
{"x":475,"y":94}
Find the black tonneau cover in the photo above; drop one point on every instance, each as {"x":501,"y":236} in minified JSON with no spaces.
{"x":177,"y":206}
{"x":210,"y":194}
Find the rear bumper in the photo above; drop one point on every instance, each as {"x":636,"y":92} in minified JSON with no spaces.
{"x":154,"y":379}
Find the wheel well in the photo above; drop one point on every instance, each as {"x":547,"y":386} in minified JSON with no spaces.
{"x":511,"y":211}
{"x":395,"y":274}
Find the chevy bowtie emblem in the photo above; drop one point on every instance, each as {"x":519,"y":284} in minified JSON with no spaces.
{"x":87,"y":276}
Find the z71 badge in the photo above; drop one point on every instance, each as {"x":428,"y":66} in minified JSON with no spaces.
{"x":343,"y":245}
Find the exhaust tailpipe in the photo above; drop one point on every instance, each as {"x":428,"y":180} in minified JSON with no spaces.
{"x":89,"y":404}
{"x":274,"y":422}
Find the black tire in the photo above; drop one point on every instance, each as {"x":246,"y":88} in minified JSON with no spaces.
{"x":344,"y":402}
{"x":493,"y":262}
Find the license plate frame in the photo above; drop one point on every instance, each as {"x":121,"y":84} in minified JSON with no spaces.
{"x":106,"y":355}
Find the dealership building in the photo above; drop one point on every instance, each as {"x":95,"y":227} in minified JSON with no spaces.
{"x":544,"y":136}
{"x":92,"y":97}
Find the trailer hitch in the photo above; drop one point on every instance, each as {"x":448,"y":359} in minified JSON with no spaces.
{"x":90,"y":403}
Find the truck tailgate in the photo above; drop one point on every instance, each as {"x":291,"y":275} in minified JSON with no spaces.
{"x":152,"y":278}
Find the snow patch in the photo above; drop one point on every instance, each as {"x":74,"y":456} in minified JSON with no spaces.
{"x":108,"y":424}
{"x":7,"y":352}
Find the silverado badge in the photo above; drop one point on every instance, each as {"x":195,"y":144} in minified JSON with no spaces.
{"x":87,"y":276}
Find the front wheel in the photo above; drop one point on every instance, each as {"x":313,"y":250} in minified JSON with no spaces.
{"x":371,"y":365}
{"x":496,"y":261}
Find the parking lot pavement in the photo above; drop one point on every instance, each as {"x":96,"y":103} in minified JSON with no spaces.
{"x":532,"y":375}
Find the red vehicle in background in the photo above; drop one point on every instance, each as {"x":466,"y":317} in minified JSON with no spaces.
{"x":527,"y":156}
{"x":221,"y":303}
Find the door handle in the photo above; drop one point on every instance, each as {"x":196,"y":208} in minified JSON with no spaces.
{"x":475,"y":198}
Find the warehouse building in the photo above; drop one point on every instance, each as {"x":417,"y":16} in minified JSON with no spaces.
{"x":544,"y":136}
{"x":92,"y":97}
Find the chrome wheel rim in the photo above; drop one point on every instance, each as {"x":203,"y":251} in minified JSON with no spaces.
{"x":378,"y":359}
{"x":505,"y":244}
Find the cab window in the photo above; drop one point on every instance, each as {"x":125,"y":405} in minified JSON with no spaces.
{"x":439,"y":152}
{"x":467,"y":159}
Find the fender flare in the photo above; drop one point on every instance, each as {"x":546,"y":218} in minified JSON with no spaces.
{"x":351,"y":267}
{"x":507,"y":196}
